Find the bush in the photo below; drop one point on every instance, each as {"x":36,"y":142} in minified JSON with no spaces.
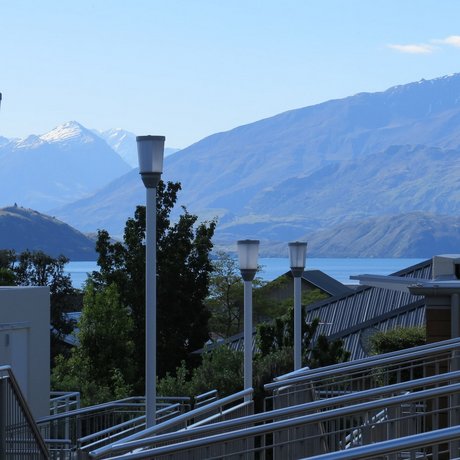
{"x":397,"y":339}
{"x":220,"y":369}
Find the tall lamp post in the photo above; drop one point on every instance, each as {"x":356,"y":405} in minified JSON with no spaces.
{"x":297,"y":254}
{"x":150,"y":150}
{"x":248,"y":253}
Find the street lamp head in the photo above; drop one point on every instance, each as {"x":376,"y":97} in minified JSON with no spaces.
{"x":150,"y":150}
{"x":297,"y":254}
{"x":248,"y":253}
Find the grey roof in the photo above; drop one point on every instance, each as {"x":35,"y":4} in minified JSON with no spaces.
{"x":359,"y":312}
{"x":325,"y":282}
{"x":354,"y":316}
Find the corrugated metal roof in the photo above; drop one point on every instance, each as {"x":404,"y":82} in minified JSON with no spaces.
{"x":351,"y":317}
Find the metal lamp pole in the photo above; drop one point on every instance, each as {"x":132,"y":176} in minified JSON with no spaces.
{"x":297,"y":254}
{"x":150,"y":151}
{"x":248,"y":252}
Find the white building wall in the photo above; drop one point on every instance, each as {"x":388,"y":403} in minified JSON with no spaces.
{"x":25,"y":342}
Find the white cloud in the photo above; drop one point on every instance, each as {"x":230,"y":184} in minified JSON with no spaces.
{"x":453,"y":40}
{"x":414,"y":49}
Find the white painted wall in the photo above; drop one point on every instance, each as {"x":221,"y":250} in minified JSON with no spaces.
{"x":25,"y":342}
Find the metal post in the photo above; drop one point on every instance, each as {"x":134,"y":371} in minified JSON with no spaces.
{"x":454,"y":418}
{"x":297,"y":323}
{"x":3,"y":417}
{"x":247,"y":336}
{"x":150,"y":308}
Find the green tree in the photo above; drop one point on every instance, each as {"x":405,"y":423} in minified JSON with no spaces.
{"x":40,"y":269}
{"x":183,"y":268}
{"x":7,"y":258}
{"x":277,"y":335}
{"x":326,"y":352}
{"x":226,"y":292}
{"x":101,"y":365}
{"x":226,"y":297}
{"x":220,"y":369}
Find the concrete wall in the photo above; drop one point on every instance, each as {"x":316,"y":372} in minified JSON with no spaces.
{"x":25,"y":342}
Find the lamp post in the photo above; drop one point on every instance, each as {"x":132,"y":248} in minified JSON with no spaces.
{"x":150,"y":150}
{"x":297,"y":253}
{"x":248,"y":252}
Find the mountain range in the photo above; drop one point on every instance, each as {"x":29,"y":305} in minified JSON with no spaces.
{"x":124,"y":143}
{"x":372,"y":154}
{"x":56,"y":168}
{"x":371,"y":159}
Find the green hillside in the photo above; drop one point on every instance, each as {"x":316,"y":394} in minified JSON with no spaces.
{"x":22,"y":229}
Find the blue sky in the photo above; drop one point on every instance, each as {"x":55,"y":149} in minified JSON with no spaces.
{"x":189,"y":68}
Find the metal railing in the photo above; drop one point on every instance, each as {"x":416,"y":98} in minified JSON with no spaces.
{"x":223,"y":409}
{"x":290,"y":412}
{"x":124,"y":429}
{"x":295,"y":436}
{"x":19,"y":436}
{"x":206,"y":398}
{"x":370,"y":359}
{"x":64,"y":401}
{"x":367,"y":373}
{"x":67,"y":431}
{"x":419,"y":446}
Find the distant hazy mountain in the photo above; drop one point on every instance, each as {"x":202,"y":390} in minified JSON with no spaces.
{"x":3,"y":141}
{"x":229,"y":171}
{"x":409,"y":235}
{"x":108,"y":208}
{"x":371,"y":154}
{"x":58,"y":167}
{"x":22,"y":229}
{"x":124,"y":143}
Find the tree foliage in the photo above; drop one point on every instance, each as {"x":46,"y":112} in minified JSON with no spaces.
{"x":397,"y":339}
{"x":226,"y":297}
{"x":277,"y":335}
{"x":35,"y":268}
{"x":183,"y":268}
{"x":101,"y":365}
{"x":226,"y":293}
{"x":220,"y":369}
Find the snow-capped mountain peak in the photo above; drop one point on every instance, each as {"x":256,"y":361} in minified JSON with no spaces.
{"x":67,"y":132}
{"x":29,"y":142}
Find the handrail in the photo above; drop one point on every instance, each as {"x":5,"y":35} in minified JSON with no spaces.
{"x":25,"y":408}
{"x":383,"y":360}
{"x":439,"y":436}
{"x":205,"y":395}
{"x":206,"y":398}
{"x":265,"y":417}
{"x":88,"y":409}
{"x":291,"y":422}
{"x":108,"y":405}
{"x":368,"y":359}
{"x":180,"y":418}
{"x":126,"y":423}
{"x":58,"y":395}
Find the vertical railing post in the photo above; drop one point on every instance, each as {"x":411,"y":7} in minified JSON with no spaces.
{"x":454,"y":413}
{"x":3,"y":417}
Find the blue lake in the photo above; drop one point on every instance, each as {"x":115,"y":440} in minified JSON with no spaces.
{"x":340,"y":269}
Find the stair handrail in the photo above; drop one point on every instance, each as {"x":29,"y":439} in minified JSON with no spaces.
{"x":24,"y":407}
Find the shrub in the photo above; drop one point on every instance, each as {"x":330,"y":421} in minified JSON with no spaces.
{"x":397,"y":339}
